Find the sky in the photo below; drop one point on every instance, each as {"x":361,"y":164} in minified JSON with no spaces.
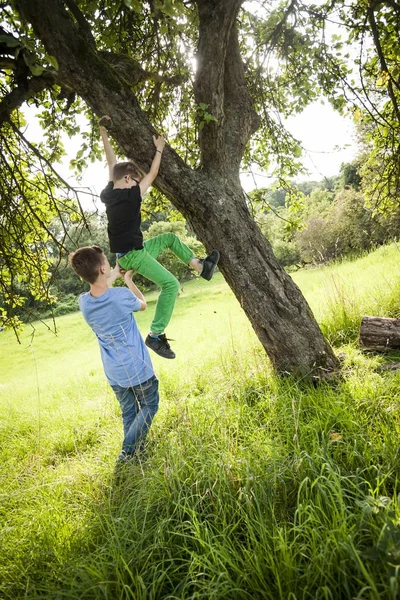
{"x":328,"y":140}
{"x":327,"y":137}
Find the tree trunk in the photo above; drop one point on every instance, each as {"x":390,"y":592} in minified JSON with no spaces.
{"x":380,"y":333}
{"x":278,"y":312}
{"x":211,"y":199}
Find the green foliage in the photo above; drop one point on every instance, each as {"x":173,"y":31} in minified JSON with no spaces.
{"x":373,"y":91}
{"x":330,"y":221}
{"x":30,"y":198}
{"x":351,"y":175}
{"x":68,"y":304}
{"x":343,"y":227}
{"x":274,"y":227}
{"x":65,"y":282}
{"x":203,"y":116}
{"x":319,"y":202}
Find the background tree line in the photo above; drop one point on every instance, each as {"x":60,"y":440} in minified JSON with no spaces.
{"x":334,"y":220}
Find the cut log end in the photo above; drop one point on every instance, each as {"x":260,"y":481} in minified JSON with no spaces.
{"x":379,"y":334}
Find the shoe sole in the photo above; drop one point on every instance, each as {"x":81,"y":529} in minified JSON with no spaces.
{"x":158,"y":353}
{"x":213,"y":263}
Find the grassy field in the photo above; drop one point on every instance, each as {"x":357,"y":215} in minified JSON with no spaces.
{"x":254,"y":486}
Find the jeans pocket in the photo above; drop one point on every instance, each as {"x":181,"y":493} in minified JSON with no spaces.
{"x":121,"y":393}
{"x":147,"y":394}
{"x":145,"y":386}
{"x":130,"y":260}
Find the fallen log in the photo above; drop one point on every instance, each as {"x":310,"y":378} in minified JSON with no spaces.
{"x":379,"y":334}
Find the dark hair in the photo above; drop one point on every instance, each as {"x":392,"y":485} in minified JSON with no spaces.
{"x":87,"y":261}
{"x":125,"y":168}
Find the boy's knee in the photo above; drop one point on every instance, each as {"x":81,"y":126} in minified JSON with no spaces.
{"x":176,"y":286}
{"x":172,"y":285}
{"x":171,"y":237}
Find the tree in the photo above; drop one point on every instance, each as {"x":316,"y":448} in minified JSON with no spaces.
{"x":350,"y":175}
{"x":28,"y":204}
{"x":274,"y":226}
{"x":372,"y":88}
{"x":85,"y":56}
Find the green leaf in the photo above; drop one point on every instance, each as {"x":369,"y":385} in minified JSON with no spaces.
{"x":53,"y":61}
{"x":9,"y":41}
{"x":134,"y":5}
{"x":36,"y":70}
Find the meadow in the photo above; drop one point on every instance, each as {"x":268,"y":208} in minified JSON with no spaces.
{"x":253,"y":486}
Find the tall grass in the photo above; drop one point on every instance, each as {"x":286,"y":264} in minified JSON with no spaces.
{"x":253,"y":486}
{"x":342,"y":293}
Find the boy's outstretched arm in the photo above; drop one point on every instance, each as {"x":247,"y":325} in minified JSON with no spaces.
{"x":135,"y":290}
{"x":109,"y":152}
{"x":115,"y":273}
{"x":148,"y":179}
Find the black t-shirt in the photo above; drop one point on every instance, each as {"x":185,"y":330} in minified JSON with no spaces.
{"x":124,"y":218}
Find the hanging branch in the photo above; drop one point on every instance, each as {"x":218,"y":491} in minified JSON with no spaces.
{"x":52,"y":169}
{"x":382,"y":61}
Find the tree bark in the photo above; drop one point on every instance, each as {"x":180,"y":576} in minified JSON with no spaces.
{"x":211,"y":199}
{"x":380,"y":333}
{"x":220,"y":84}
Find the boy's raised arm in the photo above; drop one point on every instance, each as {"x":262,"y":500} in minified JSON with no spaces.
{"x":115,"y":273}
{"x":109,"y":152}
{"x":148,"y":179}
{"x":134,"y":289}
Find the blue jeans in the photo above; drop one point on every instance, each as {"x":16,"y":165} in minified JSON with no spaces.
{"x":139,"y":404}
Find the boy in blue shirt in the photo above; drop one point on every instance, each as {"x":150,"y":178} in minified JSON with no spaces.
{"x":122,"y":198}
{"x":126,"y":361}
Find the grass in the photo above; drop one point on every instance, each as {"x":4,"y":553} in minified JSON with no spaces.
{"x":255,"y":487}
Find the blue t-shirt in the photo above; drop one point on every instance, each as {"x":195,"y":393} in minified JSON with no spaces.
{"x":126,"y":360}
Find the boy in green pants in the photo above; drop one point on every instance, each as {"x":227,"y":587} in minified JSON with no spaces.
{"x":122,"y":198}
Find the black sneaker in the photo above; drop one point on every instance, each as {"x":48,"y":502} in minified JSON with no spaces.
{"x":160,"y":345}
{"x":209,"y":264}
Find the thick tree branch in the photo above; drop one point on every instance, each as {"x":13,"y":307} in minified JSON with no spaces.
{"x":241,"y":120}
{"x":216,"y":20}
{"x":83,"y":69}
{"x":220,"y":83}
{"x":78,"y":15}
{"x":24,"y":92}
{"x":133,"y":72}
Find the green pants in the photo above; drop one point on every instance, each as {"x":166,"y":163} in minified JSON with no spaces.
{"x":144,"y":262}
